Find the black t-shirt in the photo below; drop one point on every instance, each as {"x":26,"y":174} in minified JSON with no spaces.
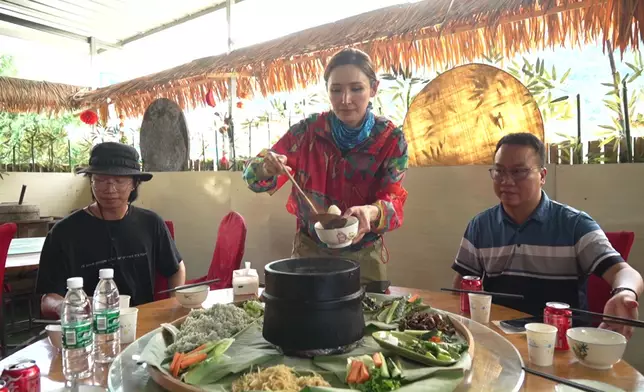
{"x":136,"y":247}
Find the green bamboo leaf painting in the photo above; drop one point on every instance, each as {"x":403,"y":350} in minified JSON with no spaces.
{"x":565,"y":76}
{"x":560,"y":99}
{"x":631,"y":66}
{"x":634,"y":77}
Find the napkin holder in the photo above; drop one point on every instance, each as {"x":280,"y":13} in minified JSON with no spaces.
{"x":245,"y":281}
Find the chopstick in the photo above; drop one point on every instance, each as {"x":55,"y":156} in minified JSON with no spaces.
{"x":560,"y":380}
{"x":297,"y":186}
{"x":43,"y":321}
{"x":500,"y":295}
{"x":187,"y":286}
{"x":611,"y":319}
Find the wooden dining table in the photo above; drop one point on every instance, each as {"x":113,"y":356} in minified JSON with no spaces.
{"x":486,"y":365}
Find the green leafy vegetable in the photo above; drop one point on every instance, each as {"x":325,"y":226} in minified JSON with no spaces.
{"x":254,"y":309}
{"x":378,"y":383}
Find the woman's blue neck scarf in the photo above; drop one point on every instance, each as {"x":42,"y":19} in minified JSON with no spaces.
{"x":347,"y":138}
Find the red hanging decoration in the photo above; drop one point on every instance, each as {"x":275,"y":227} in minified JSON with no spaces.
{"x":89,"y":117}
{"x":240,"y":105}
{"x":210,"y":99}
{"x":223,"y":162}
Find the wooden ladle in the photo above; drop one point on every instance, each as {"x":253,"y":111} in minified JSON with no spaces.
{"x":328,"y":221}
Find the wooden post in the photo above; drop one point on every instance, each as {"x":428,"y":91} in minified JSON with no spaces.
{"x":579,"y":151}
{"x":565,"y":158}
{"x":216,"y":165}
{"x":232,"y":82}
{"x":554,"y":154}
{"x":638,"y":149}
{"x":610,"y":152}
{"x":69,"y":155}
{"x":627,"y":124}
{"x":594,"y":151}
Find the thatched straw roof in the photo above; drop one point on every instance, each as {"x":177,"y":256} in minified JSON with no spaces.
{"x":434,"y":33}
{"x":22,"y":95}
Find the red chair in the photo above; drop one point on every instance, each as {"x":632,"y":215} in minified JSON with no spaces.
{"x":597,"y":290}
{"x":160,"y":281}
{"x":229,"y":252}
{"x":7,"y":231}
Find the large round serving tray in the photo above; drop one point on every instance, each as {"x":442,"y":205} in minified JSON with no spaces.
{"x":174,"y":385}
{"x":127,"y":374}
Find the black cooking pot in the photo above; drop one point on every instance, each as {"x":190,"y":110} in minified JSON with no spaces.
{"x":312,"y":303}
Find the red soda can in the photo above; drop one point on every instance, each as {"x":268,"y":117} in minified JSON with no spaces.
{"x":472,"y":283}
{"x":559,"y":315}
{"x":22,"y":376}
{"x":3,"y":386}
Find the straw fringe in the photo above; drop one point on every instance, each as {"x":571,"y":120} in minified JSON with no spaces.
{"x":22,"y":95}
{"x":430,"y":33}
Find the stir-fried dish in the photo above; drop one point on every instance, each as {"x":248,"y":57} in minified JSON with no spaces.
{"x":424,"y":321}
{"x":393,"y":310}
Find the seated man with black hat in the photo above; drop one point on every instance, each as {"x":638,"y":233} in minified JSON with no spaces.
{"x":109,"y":233}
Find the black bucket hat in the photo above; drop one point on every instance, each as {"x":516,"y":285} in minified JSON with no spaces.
{"x":115,"y":159}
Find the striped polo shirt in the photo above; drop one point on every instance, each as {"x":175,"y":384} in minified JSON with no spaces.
{"x":547,"y":258}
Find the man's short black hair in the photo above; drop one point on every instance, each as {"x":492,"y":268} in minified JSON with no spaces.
{"x":524,"y":139}
{"x":133,"y":195}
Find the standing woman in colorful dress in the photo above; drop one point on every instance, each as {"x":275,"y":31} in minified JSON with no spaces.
{"x":347,"y":157}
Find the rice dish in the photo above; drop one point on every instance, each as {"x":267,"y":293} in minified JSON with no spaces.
{"x":207,"y":325}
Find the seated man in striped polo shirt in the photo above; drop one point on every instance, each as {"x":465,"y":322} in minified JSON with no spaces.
{"x":537,"y":247}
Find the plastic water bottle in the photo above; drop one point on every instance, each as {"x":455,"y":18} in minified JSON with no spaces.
{"x":76,"y":323}
{"x":107,"y":341}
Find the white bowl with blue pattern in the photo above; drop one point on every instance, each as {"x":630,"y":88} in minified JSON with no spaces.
{"x":596,"y":348}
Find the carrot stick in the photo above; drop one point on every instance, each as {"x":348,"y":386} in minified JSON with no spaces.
{"x":413,"y":298}
{"x":196,"y":350}
{"x":377,"y":360}
{"x":363,"y":375}
{"x":190,"y":360}
{"x":175,"y":370}
{"x":354,"y":371}
{"x":175,"y":361}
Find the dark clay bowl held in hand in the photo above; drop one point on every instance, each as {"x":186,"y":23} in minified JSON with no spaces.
{"x":313,"y":304}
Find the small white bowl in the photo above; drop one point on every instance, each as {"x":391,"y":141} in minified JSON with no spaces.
{"x":596,"y":348}
{"x":193,"y":297}
{"x":55,"y":335}
{"x":338,"y":238}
